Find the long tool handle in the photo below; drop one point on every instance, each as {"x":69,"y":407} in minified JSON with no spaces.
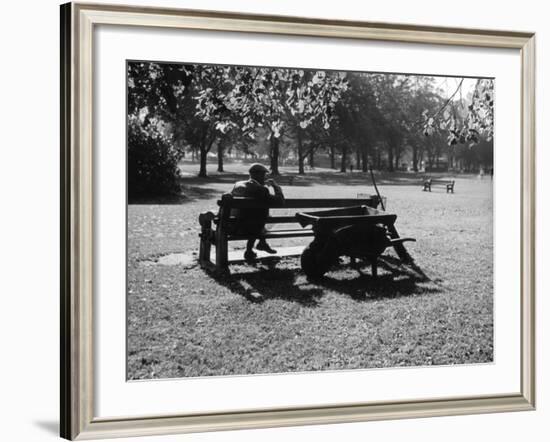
{"x":376,"y":188}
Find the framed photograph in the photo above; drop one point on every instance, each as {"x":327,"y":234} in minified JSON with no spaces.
{"x":274,"y":221}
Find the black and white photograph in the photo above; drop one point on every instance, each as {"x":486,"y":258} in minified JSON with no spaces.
{"x":286,"y":220}
{"x":290,"y":220}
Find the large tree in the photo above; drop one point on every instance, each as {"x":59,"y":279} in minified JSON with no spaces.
{"x":215,"y":119}
{"x":367,"y":118}
{"x":274,"y":100}
{"x":393,"y":95}
{"x":361,"y":119}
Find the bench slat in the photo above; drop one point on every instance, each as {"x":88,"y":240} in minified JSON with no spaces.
{"x":293,"y":203}
{"x":271,"y":219}
{"x":302,"y":233}
{"x":281,"y":219}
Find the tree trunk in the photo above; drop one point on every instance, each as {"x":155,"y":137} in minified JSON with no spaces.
{"x":357,"y":159}
{"x":343,"y":164}
{"x":415,"y":158}
{"x":332,"y":159}
{"x":390,"y":157}
{"x":311,"y":159}
{"x":274,"y":156}
{"x":205,"y":147}
{"x":397,"y":156}
{"x":365,"y":161}
{"x":220,"y":156}
{"x":203,"y":152}
{"x":301,"y":170}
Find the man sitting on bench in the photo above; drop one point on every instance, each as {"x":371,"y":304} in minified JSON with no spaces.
{"x":251,"y":222}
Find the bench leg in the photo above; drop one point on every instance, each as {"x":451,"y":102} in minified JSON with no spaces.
{"x":205,"y":221}
{"x":204,"y":250}
{"x":202,"y":254}
{"x":221,"y":253}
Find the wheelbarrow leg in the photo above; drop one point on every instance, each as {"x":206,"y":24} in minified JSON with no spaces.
{"x":374,"y":264}
{"x":399,"y":247}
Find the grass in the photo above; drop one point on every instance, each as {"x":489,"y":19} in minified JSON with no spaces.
{"x":269,"y":318}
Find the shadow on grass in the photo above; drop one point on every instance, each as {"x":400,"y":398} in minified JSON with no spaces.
{"x":269,"y":282}
{"x":330,"y":177}
{"x":382,"y":178}
{"x":195,"y":188}
{"x":312,"y":178}
{"x":230,"y":178}
{"x":188,"y":195}
{"x":399,"y":280}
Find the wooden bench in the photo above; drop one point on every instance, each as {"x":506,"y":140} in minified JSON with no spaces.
{"x":215,"y":232}
{"x":429,"y":182}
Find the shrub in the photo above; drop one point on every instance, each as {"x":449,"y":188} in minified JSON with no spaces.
{"x":152,"y":162}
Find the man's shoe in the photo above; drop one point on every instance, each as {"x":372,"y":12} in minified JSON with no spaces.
{"x":249,"y":255}
{"x":265,"y":247}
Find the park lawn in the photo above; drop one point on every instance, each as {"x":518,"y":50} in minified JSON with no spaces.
{"x":269,"y":318}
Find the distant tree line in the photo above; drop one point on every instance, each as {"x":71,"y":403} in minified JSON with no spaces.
{"x":365,"y":119}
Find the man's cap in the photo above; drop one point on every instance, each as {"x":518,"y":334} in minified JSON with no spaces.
{"x":258,"y":168}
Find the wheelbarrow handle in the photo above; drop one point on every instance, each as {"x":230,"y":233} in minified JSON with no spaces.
{"x":395,"y":241}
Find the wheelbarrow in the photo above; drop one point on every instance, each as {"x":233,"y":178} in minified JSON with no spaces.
{"x":359,"y":232}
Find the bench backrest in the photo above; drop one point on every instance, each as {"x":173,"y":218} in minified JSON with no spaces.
{"x":228,"y":202}
{"x":233,"y":202}
{"x":438,"y":181}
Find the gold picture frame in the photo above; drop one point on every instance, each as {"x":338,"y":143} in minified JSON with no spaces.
{"x":77,"y":390}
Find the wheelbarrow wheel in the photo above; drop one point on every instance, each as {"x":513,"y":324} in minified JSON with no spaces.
{"x":313,"y":262}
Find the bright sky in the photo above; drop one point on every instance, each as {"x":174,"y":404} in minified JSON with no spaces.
{"x":449,"y":85}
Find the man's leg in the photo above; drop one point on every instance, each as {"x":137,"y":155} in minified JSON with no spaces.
{"x":249,"y":254}
{"x":262,"y":243}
